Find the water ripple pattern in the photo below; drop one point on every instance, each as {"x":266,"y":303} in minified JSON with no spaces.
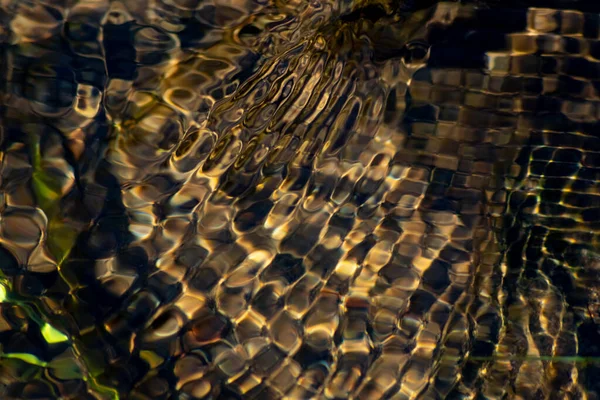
{"x":306,"y":199}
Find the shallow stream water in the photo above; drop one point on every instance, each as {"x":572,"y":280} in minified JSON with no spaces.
{"x":267,"y":199}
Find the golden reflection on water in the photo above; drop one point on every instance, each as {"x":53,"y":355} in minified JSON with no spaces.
{"x":264,"y":200}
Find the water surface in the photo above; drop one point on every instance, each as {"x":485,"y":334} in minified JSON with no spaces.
{"x":263,"y":199}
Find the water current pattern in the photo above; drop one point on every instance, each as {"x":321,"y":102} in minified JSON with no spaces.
{"x":305,"y":199}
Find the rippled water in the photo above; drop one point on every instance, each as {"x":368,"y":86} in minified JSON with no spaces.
{"x":268,"y":199}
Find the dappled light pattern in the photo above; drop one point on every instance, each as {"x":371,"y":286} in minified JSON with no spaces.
{"x":267,"y":199}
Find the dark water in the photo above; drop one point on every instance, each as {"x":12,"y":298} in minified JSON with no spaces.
{"x":267,"y":199}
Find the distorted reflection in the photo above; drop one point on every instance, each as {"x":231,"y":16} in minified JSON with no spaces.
{"x":268,"y":199}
